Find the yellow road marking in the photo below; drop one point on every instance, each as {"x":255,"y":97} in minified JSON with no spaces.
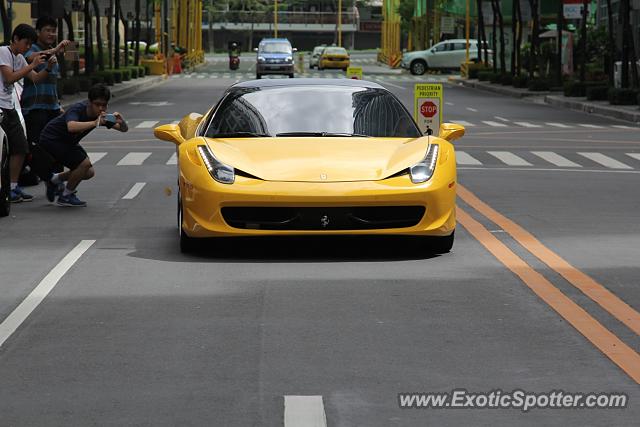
{"x":614,"y":348}
{"x":594,"y":290}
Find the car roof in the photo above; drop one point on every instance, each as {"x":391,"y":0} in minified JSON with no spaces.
{"x":459,"y":41}
{"x":306,"y":82}
{"x":274,"y":40}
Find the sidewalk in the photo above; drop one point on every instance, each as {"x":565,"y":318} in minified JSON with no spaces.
{"x":629,"y":113}
{"x":119,"y":90}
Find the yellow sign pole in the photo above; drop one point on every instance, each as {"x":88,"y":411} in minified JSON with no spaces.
{"x":275,"y":20}
{"x":339,"y":22}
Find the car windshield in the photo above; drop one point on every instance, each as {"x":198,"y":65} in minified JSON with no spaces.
{"x":335,"y":51}
{"x":275,"y":48}
{"x":322,"y":110}
{"x":318,"y":50}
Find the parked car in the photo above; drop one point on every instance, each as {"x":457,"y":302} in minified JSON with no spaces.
{"x":315,"y":56}
{"x":334,"y":57}
{"x":274,"y":56}
{"x":443,"y":55}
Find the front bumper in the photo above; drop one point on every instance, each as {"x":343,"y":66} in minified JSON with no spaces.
{"x":266,"y":68}
{"x":203,"y":203}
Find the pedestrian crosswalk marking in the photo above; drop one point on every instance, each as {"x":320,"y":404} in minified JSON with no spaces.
{"x":509,"y":158}
{"x":556,"y":159}
{"x":147,"y":124}
{"x":527,"y":125}
{"x":584,"y":125}
{"x":463,"y":158}
{"x":472,"y":109}
{"x":623,"y":127}
{"x":558,"y":125}
{"x":463,"y":123}
{"x":634,"y":155}
{"x":135,"y":190}
{"x":494,"y":124}
{"x":502,"y":119}
{"x":173,"y":160}
{"x":95,"y":157}
{"x":605,"y":160}
{"x":133,"y":159}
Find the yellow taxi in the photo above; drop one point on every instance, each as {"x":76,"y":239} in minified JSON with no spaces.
{"x":334,"y":57}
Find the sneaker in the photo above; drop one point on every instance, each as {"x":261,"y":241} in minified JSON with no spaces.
{"x":71,"y":200}
{"x":17,"y":196}
{"x":53,"y":190}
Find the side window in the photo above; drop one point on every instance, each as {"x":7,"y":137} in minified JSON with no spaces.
{"x":442,"y":47}
{"x":461,"y":46}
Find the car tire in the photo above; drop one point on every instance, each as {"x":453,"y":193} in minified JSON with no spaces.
{"x":418,"y":67}
{"x":5,"y":181}
{"x":258,"y":76}
{"x":187,"y":244}
{"x":442,"y":245}
{"x":291,"y":75}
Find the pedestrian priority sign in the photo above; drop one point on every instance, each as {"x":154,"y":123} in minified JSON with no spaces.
{"x":427,"y":110}
{"x":354,"y":73}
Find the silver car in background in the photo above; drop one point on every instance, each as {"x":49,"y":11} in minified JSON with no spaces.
{"x":448,"y":54}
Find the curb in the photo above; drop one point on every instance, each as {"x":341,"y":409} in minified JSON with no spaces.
{"x":119,"y":90}
{"x":631,"y":114}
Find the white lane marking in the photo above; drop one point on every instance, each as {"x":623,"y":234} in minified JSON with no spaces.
{"x":463,"y":123}
{"x":584,"y":125}
{"x":509,"y":158}
{"x":449,"y":104}
{"x":527,"y":125}
{"x":556,"y":159}
{"x":623,"y":127}
{"x":634,"y":155}
{"x":502,"y":119}
{"x":133,"y":159}
{"x":385,"y":83}
{"x":147,"y":124}
{"x":605,"y":160}
{"x":463,"y":158}
{"x":95,"y":157}
{"x":135,"y":190}
{"x":173,"y":160}
{"x":494,"y":124}
{"x":304,"y":411}
{"x":201,"y":76}
{"x":472,"y":109}
{"x":558,"y":125}
{"x":26,"y":307}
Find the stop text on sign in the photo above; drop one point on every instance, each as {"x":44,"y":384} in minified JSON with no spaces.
{"x":428,"y":109}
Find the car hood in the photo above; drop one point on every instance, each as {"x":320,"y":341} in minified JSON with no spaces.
{"x":321,"y":159}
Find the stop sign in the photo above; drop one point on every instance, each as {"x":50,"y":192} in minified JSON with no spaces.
{"x":428,"y":109}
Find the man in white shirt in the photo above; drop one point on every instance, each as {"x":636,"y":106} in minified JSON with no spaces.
{"x":14,"y":67}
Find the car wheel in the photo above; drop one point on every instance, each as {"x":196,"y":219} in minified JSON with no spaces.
{"x":5,"y":181}
{"x":291,"y":75}
{"x":418,"y":67}
{"x":258,"y":76}
{"x":187,"y":244}
{"x":442,"y":245}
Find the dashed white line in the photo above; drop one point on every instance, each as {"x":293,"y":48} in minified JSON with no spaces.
{"x":559,"y":125}
{"x":95,"y":157}
{"x":494,"y":124}
{"x":463,"y":158}
{"x":40,"y":292}
{"x":527,"y":125}
{"x":135,"y":190}
{"x":509,"y":158}
{"x":556,"y":159}
{"x":147,"y":124}
{"x":623,"y":127}
{"x":133,"y":159}
{"x":585,"y":125}
{"x":463,"y":123}
{"x":502,"y":119}
{"x":472,"y":109}
{"x":449,"y":104}
{"x":304,"y":411}
{"x":605,"y":160}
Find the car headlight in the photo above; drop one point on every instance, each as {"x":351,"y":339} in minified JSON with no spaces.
{"x":222,"y":173}
{"x":423,"y":171}
{"x":261,"y":59}
{"x":289,"y":59}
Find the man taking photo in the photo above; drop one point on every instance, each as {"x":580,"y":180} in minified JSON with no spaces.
{"x":61,"y":139}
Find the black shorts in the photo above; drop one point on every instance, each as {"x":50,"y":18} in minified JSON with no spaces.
{"x":67,"y":154}
{"x":14,"y":131}
{"x":35,"y":120}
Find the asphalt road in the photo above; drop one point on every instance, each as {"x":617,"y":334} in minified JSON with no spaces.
{"x":135,"y":333}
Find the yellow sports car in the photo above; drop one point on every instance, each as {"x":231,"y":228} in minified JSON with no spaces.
{"x":312,"y":157}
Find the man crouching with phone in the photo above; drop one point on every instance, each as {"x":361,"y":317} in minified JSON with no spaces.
{"x":61,"y":139}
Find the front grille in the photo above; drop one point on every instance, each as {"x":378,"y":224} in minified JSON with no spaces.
{"x":330,"y":218}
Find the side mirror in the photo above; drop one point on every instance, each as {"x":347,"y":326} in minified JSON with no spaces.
{"x":451,"y":131}
{"x":169,"y":133}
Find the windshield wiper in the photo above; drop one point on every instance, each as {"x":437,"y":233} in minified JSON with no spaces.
{"x":240,"y":135}
{"x":322,"y":134}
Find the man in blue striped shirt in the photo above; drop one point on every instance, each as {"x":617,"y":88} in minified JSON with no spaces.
{"x":39,"y":101}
